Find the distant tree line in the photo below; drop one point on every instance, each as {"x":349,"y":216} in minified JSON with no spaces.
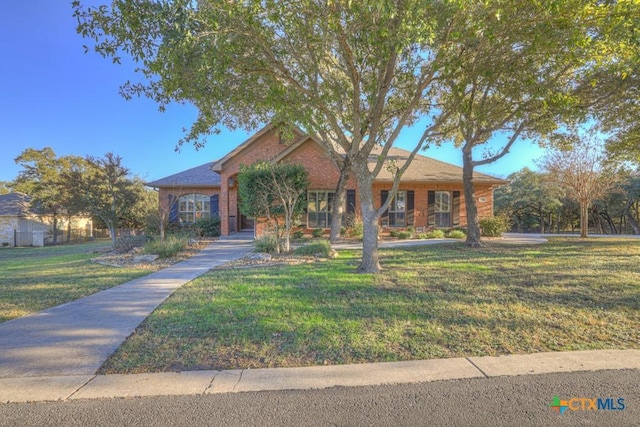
{"x":578,"y":189}
{"x":67,"y":186}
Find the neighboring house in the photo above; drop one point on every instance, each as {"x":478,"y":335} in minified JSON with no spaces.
{"x":20,"y":225}
{"x":430,"y":193}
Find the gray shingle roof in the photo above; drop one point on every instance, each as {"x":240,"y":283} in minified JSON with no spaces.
{"x":14,"y":204}
{"x":427,"y":169}
{"x":200,"y":176}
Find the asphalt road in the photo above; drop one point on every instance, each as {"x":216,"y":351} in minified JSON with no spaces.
{"x":508,"y":401}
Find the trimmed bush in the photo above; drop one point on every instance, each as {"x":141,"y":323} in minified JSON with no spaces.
{"x":317,"y":248}
{"x":456,"y":234}
{"x":266,"y":244}
{"x":298,"y":234}
{"x":435,"y":234}
{"x":317,"y":232}
{"x":494,"y":226}
{"x":170,"y":247}
{"x":403,"y":235}
{"x":207,"y":227}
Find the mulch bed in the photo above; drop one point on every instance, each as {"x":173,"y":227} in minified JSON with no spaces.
{"x":121,"y":260}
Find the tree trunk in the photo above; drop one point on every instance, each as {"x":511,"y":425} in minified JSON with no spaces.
{"x":541,"y":215}
{"x":584,"y":218}
{"x":339,"y":200}
{"x":287,"y":231}
{"x":338,"y":206}
{"x":112,"y":230}
{"x":631,"y":220}
{"x":473,"y":223}
{"x":370,"y":259}
{"x":55,"y":229}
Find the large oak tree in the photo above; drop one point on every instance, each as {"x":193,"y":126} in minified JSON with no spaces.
{"x":353,"y":73}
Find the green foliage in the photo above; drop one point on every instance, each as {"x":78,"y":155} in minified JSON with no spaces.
{"x":267,"y":244}
{"x":298,"y":234}
{"x":456,"y":234}
{"x":403,"y":235}
{"x":433,"y":234}
{"x":273,"y":190}
{"x":494,"y":226}
{"x":355,"y":227}
{"x":317,"y":232}
{"x":207,"y":227}
{"x":315,"y":248}
{"x":173,"y":244}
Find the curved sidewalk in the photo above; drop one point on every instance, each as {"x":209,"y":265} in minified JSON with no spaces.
{"x":77,"y":337}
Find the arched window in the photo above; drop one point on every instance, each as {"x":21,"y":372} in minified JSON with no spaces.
{"x":192,"y":207}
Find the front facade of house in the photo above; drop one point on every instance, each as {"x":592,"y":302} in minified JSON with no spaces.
{"x":430,"y":194}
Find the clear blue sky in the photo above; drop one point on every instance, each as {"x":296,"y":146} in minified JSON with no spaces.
{"x":53,"y":94}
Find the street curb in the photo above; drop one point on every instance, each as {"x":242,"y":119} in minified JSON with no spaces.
{"x":66,"y":388}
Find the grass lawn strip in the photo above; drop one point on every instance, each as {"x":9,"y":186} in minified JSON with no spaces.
{"x":434,"y":301}
{"x":32,"y":279}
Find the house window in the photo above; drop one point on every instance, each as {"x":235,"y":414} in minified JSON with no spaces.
{"x":319,"y":207}
{"x":443,"y":209}
{"x":192,"y":207}
{"x":398,"y":210}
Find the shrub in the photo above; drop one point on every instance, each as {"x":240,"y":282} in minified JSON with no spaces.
{"x":435,"y":234}
{"x":402,"y":235}
{"x":267,"y":244}
{"x":317,"y":232}
{"x":125,"y":244}
{"x":298,"y":234}
{"x":393,"y":233}
{"x":319,"y":247}
{"x":422,"y":236}
{"x":207,"y":227}
{"x":170,"y":247}
{"x":494,"y":226}
{"x":456,"y":234}
{"x":355,"y":226}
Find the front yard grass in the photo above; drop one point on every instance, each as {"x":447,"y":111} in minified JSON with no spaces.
{"x":436,"y":301}
{"x":32,"y":279}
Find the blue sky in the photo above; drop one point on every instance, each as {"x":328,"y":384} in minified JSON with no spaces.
{"x":53,"y":94}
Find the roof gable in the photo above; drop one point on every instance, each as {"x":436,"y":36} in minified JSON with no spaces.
{"x":14,"y":204}
{"x":219,"y":165}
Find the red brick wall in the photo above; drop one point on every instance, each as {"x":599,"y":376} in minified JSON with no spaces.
{"x":482,"y":192}
{"x":323,"y":175}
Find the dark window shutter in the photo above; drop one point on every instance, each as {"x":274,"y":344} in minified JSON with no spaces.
{"x":174,"y":214}
{"x":431,"y":208}
{"x":384,"y":194}
{"x":410,"y":207}
{"x":455,"y":209}
{"x":215,"y":205}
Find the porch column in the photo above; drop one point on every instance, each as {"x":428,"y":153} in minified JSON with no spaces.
{"x":224,"y":204}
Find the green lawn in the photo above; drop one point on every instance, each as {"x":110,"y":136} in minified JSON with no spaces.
{"x":430,"y":302}
{"x":32,"y":279}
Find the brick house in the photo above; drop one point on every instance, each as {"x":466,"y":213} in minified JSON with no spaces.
{"x":430,"y":193}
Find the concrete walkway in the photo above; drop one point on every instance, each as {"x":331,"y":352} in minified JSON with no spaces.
{"x":34,"y":389}
{"x":77,"y":337}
